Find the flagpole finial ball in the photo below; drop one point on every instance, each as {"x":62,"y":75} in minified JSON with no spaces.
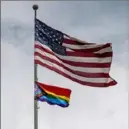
{"x":35,"y":7}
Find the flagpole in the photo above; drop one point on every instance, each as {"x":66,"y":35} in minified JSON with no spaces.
{"x":35,"y":8}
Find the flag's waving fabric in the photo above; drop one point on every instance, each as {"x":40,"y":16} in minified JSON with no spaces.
{"x":85,"y":63}
{"x":52,"y":94}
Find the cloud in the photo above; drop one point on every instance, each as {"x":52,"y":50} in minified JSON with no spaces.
{"x":16,"y":83}
{"x":13,"y":30}
{"x":107,"y":105}
{"x":21,"y":35}
{"x":94,"y":21}
{"x":91,"y":108}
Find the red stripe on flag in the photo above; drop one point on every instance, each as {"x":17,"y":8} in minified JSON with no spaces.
{"x":55,"y":89}
{"x":89,"y":49}
{"x":82,"y":64}
{"x":79,"y":54}
{"x":74,"y":79}
{"x":83,"y":74}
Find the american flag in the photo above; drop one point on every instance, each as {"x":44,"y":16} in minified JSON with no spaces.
{"x":85,"y":63}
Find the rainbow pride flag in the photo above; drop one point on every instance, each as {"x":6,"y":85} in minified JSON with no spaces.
{"x":53,"y":95}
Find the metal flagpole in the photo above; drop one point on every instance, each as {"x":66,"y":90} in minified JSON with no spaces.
{"x":35,"y":8}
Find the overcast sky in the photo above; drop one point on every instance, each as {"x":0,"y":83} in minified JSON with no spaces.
{"x":90,"y":108}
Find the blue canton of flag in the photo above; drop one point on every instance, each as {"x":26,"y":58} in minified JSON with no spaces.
{"x":50,"y":37}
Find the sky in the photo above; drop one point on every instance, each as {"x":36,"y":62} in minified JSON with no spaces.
{"x":90,"y":108}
